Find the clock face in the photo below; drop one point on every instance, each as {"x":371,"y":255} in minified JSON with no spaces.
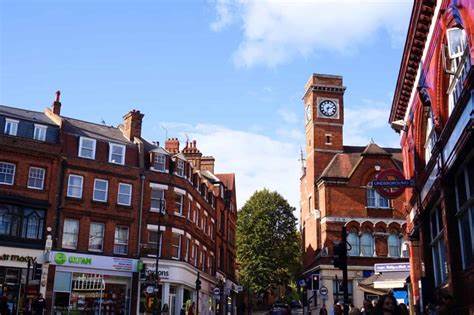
{"x":328,"y":108}
{"x":308,"y":112}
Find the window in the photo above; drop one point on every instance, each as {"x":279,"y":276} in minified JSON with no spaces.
{"x":195,"y":254}
{"x":328,"y":139}
{"x":20,"y":222}
{"x":464,"y":186}
{"x":176,"y":246}
{"x":96,"y":237}
{"x":186,"y":249}
{"x":456,"y":42}
{"x":190,"y":214}
{"x":180,"y":167}
{"x":11,"y":127}
{"x":160,"y":162}
{"x":405,"y":248}
{"x":40,"y":132}
{"x":70,"y":233}
{"x":394,"y":245}
{"x":430,"y":139}
{"x":7,"y":173}
{"x":338,"y":290}
{"x":152,"y":240}
{"x":116,"y":153}
{"x":353,"y":240}
{"x":157,"y":200}
{"x":179,"y":199}
{"x":101,"y":188}
{"x":367,"y":245}
{"x":374,"y":200}
{"x":204,"y":261}
{"x":121,"y":240}
{"x":74,"y":186}
{"x":124,"y":194}
{"x":36,"y":178}
{"x":87,"y":148}
{"x":438,"y":248}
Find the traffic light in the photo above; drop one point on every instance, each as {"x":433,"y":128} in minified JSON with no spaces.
{"x":340,"y":255}
{"x":142,"y":270}
{"x":37,"y":270}
{"x":314,"y":282}
{"x":198,"y":282}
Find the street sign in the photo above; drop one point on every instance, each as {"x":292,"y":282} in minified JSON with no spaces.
{"x":150,"y":289}
{"x":392,"y":267}
{"x":302,"y":283}
{"x":391,"y":183}
{"x":323,"y":291}
{"x":216,"y":291}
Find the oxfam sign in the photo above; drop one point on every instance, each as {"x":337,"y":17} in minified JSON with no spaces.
{"x":93,"y":261}
{"x":62,"y":258}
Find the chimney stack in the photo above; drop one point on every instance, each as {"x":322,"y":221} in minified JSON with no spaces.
{"x":172,"y":145}
{"x":57,"y":104}
{"x":132,"y":124}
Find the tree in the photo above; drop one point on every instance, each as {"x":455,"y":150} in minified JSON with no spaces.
{"x":268,"y":246}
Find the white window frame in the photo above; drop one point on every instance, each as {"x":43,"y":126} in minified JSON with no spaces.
{"x":111,"y":148}
{"x":377,"y":200}
{"x":452,"y":54}
{"x":34,"y":168}
{"x":100,"y":190}
{"x":40,"y":132}
{"x":13,"y":174}
{"x":121,"y":243}
{"x":159,"y":235}
{"x":13,"y":123}
{"x":436,"y":243}
{"x":398,"y":245}
{"x":81,"y":142}
{"x":69,"y":185}
{"x":174,"y":246}
{"x":129,"y":196}
{"x":186,"y":253}
{"x":181,"y":204}
{"x":159,"y":156}
{"x":355,"y":248}
{"x":161,"y":200}
{"x":101,"y":237}
{"x":76,"y":235}
{"x":363,"y":245}
{"x":180,"y":167}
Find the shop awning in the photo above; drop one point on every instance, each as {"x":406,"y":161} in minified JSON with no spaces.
{"x":383,"y":283}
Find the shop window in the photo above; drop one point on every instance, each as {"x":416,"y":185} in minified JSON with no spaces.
{"x":116,"y":153}
{"x":124,"y":196}
{"x":176,"y":246}
{"x":465,"y":212}
{"x":70,"y":233}
{"x":160,"y":162}
{"x":375,"y":200}
{"x":96,"y":237}
{"x":101,"y":188}
{"x":86,"y":148}
{"x":36,"y":178}
{"x":7,"y":173}
{"x":11,"y":127}
{"x":74,"y":186}
{"x":179,"y":200}
{"x":353,"y":240}
{"x":338,"y":290}
{"x":40,"y":132}
{"x":157,"y":200}
{"x":438,"y":248}
{"x":121,"y":240}
{"x":394,"y":245}
{"x":367,"y":245}
{"x":153,"y":239}
{"x":180,"y":167}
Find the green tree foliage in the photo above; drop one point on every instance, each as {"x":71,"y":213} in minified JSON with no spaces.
{"x":268,"y":246}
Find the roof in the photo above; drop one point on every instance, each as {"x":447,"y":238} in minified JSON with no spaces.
{"x":343,"y":164}
{"x":228,"y":180}
{"x":24,"y":114}
{"x":213,"y":178}
{"x":93,"y":130}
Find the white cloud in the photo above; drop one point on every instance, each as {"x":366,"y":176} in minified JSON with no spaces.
{"x":258,"y":161}
{"x":275,"y":31}
{"x":288,"y":116}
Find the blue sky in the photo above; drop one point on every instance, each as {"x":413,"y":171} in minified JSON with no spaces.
{"x":228,"y":73}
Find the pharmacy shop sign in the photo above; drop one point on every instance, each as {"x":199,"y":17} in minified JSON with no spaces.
{"x":93,"y":261}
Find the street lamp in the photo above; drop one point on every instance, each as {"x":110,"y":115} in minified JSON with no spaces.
{"x":161,"y":212}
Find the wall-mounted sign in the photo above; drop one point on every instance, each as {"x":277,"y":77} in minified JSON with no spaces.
{"x":18,"y":258}
{"x":391,"y":183}
{"x":93,"y":261}
{"x":392,"y":267}
{"x":163,"y":273}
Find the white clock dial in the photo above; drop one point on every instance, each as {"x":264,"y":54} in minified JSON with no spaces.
{"x":328,"y":108}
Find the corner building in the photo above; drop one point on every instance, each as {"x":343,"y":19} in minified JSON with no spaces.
{"x":433,"y":110}
{"x":335,"y":192}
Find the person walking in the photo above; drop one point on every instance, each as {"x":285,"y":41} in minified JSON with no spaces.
{"x":323,"y":310}
{"x":387,"y":305}
{"x":38,"y":305}
{"x":191,"y":309}
{"x":367,"y":308}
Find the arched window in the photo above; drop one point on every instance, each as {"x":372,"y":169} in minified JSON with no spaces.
{"x":353,"y":240}
{"x":374,"y":200}
{"x":367,"y":245}
{"x":394,"y":245}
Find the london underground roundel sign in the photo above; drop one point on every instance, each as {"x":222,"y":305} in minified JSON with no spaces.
{"x":391,"y":183}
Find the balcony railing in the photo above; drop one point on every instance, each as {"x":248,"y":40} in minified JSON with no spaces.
{"x":461,"y":72}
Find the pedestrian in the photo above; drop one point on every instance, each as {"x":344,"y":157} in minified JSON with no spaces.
{"x":353,"y":310}
{"x":323,"y":310}
{"x":191,"y":309}
{"x":387,"y":305}
{"x":28,"y":309}
{"x":403,"y":309}
{"x":165,"y":310}
{"x":367,"y":308}
{"x":38,"y":305}
{"x":182,"y":311}
{"x":338,"y":310}
{"x":4,"y":309}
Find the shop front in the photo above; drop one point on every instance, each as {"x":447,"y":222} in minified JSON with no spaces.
{"x":17,"y":282}
{"x":176,"y":288}
{"x":92,"y":284}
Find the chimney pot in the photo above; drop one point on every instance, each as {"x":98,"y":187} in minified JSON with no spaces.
{"x":57,"y":104}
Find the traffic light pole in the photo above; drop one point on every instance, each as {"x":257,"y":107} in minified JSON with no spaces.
{"x":344,"y":272}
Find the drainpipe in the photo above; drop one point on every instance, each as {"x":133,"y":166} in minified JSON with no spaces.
{"x":59,"y":202}
{"x":140,"y":214}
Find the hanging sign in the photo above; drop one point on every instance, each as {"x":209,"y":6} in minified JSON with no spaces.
{"x":391,"y":183}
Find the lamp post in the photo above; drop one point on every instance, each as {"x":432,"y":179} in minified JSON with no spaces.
{"x":158,"y":245}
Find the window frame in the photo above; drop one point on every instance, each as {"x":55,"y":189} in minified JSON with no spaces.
{"x":94,"y":189}
{"x":81,"y":142}
{"x":180,"y":203}
{"x":449,"y":42}
{"x":180,"y":167}
{"x":11,"y":122}
{"x":353,"y":246}
{"x":174,"y":246}
{"x":126,"y":244}
{"x":159,"y":236}
{"x":372,"y":254}
{"x":155,"y":162}
{"x":76,"y":235}
{"x":13,"y":174}
{"x":398,"y":245}
{"x":111,"y":149}
{"x":42,"y":131}
{"x":377,"y":199}
{"x":161,"y":201}
{"x":68,"y":194}
{"x":438,"y":247}
{"x":102,"y":237}
{"x":42,"y":179}
{"x":129,"y":196}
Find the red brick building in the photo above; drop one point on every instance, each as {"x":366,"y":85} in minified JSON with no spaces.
{"x":335,"y":191}
{"x":433,"y":111}
{"x":105,"y":193}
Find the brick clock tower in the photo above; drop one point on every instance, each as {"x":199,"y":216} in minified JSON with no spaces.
{"x":324,"y":119}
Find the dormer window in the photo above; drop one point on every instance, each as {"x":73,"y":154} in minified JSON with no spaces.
{"x":160,"y":162}
{"x":180,"y":167}
{"x":456,"y":38}
{"x":11,"y":127}
{"x":40,"y":132}
{"x":87,"y":148}
{"x":116,"y":153}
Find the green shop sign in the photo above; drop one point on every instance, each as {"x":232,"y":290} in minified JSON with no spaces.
{"x":61,"y":259}
{"x":94,"y":261}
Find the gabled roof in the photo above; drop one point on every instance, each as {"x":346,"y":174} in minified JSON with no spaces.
{"x":180,"y":156}
{"x":95,"y":131}
{"x":228,"y":180}
{"x":33,"y":116}
{"x":374,"y":149}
